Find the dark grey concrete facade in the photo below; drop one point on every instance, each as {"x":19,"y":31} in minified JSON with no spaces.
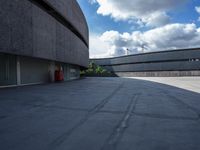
{"x":54,"y":31}
{"x":165,"y":63}
{"x":72,"y":12}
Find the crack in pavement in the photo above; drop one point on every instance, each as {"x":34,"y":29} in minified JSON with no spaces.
{"x":113,"y":140}
{"x":59,"y":140}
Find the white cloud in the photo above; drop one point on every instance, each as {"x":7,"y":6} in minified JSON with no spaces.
{"x":150,"y":12}
{"x":157,"y":19}
{"x":92,"y":1}
{"x":198,"y":11}
{"x":172,"y":36}
{"x":98,"y":48}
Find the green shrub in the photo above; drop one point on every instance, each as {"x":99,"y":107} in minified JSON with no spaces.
{"x":96,"y":71}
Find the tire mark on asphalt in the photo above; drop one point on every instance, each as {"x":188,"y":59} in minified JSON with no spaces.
{"x":113,"y":140}
{"x":167,"y":92}
{"x":59,"y":140}
{"x":178,"y":101}
{"x":3,"y":117}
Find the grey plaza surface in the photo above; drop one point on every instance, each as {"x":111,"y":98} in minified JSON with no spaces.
{"x":102,"y":114}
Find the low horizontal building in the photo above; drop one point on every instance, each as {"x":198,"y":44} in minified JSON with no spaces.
{"x":39,"y":37}
{"x":183,"y":62}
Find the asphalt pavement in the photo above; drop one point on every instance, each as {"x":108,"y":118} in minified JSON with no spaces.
{"x":102,"y":114}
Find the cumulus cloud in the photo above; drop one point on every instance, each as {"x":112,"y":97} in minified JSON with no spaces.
{"x":98,"y":48}
{"x":150,"y":12}
{"x":172,"y":36}
{"x":92,"y":1}
{"x":198,"y":11}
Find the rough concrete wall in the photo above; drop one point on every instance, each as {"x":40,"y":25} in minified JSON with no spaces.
{"x":27,"y":30}
{"x":177,"y":60}
{"x":72,"y":12}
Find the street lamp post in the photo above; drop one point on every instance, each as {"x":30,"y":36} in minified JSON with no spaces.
{"x":127,"y":50}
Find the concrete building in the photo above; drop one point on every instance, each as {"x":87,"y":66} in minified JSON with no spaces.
{"x":38,"y":37}
{"x":183,"y":62}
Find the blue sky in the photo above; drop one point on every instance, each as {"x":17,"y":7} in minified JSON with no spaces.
{"x":98,"y":23}
{"x":117,"y":25}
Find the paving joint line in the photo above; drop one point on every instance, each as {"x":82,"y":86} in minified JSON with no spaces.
{"x":111,"y":112}
{"x":158,"y":116}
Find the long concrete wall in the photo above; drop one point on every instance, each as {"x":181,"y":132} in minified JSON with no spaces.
{"x":166,"y":61}
{"x":48,"y":29}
